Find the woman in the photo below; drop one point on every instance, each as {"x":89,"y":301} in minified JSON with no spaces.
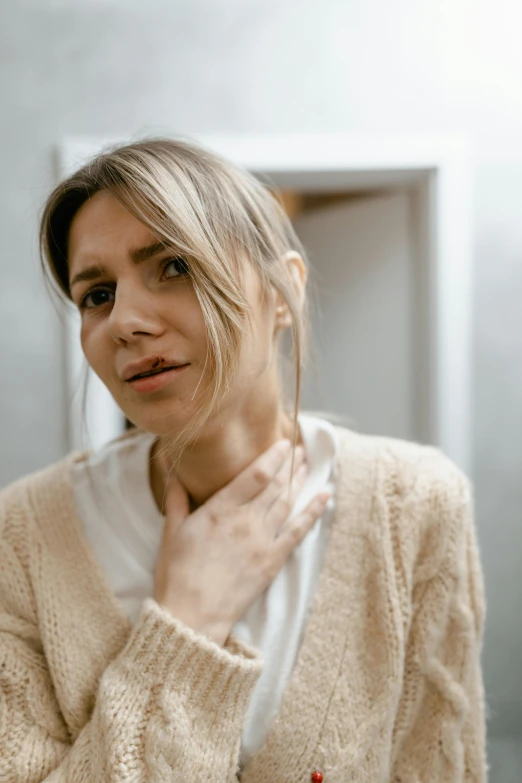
{"x":229,"y":591}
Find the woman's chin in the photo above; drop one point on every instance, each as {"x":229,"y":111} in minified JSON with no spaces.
{"x":163,"y":424}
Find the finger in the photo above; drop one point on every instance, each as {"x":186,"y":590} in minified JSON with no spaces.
{"x":278,"y":512}
{"x":282,"y":484}
{"x":257,"y":476}
{"x":297,"y":529}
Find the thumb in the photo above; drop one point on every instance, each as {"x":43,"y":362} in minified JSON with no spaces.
{"x":176,"y":510}
{"x":175,"y":504}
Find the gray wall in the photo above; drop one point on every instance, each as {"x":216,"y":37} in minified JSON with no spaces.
{"x":117,"y":67}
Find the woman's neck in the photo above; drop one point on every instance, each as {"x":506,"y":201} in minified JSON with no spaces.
{"x":221,"y":453}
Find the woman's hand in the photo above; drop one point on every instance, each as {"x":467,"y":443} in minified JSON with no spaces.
{"x":215,"y":562}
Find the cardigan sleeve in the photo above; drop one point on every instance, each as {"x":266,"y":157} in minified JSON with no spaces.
{"x":439,"y":733}
{"x":169,"y":707}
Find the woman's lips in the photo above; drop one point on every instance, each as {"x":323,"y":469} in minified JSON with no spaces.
{"x":152,"y":383}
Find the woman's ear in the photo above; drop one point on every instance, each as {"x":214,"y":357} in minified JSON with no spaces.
{"x":298,"y":273}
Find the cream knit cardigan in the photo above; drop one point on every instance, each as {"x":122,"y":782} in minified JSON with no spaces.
{"x":386,"y":689}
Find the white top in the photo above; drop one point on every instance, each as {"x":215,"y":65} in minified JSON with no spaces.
{"x":124,"y":528}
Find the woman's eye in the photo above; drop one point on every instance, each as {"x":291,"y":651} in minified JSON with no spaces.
{"x":175,"y":267}
{"x":96,"y":298}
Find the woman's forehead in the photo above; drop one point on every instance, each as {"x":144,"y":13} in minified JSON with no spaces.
{"x":103,"y":228}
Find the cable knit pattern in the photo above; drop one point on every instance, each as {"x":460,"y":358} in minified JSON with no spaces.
{"x":386,"y":689}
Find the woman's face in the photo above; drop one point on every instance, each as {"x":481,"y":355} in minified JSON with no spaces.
{"x":140,"y":314}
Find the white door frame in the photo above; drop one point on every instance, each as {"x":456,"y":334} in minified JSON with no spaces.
{"x":438,"y":173}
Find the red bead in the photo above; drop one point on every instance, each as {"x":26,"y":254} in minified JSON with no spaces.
{"x":317,"y":777}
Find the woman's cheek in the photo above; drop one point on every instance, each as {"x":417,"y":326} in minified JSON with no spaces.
{"x":96,"y":350}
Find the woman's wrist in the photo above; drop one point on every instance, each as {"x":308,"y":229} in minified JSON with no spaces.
{"x":214,"y":631}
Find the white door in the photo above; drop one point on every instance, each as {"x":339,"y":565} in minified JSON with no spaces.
{"x":361,"y":258}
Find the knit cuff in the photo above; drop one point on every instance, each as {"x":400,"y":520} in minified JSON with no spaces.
{"x":236,"y":647}
{"x":165,"y":650}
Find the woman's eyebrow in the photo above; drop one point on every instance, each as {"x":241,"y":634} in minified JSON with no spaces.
{"x":90,"y":273}
{"x":143,"y":253}
{"x":137,"y":256}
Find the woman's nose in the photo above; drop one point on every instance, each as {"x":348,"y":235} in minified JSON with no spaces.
{"x":133,"y":315}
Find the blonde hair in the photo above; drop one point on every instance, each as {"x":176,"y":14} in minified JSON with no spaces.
{"x":214,"y":214}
